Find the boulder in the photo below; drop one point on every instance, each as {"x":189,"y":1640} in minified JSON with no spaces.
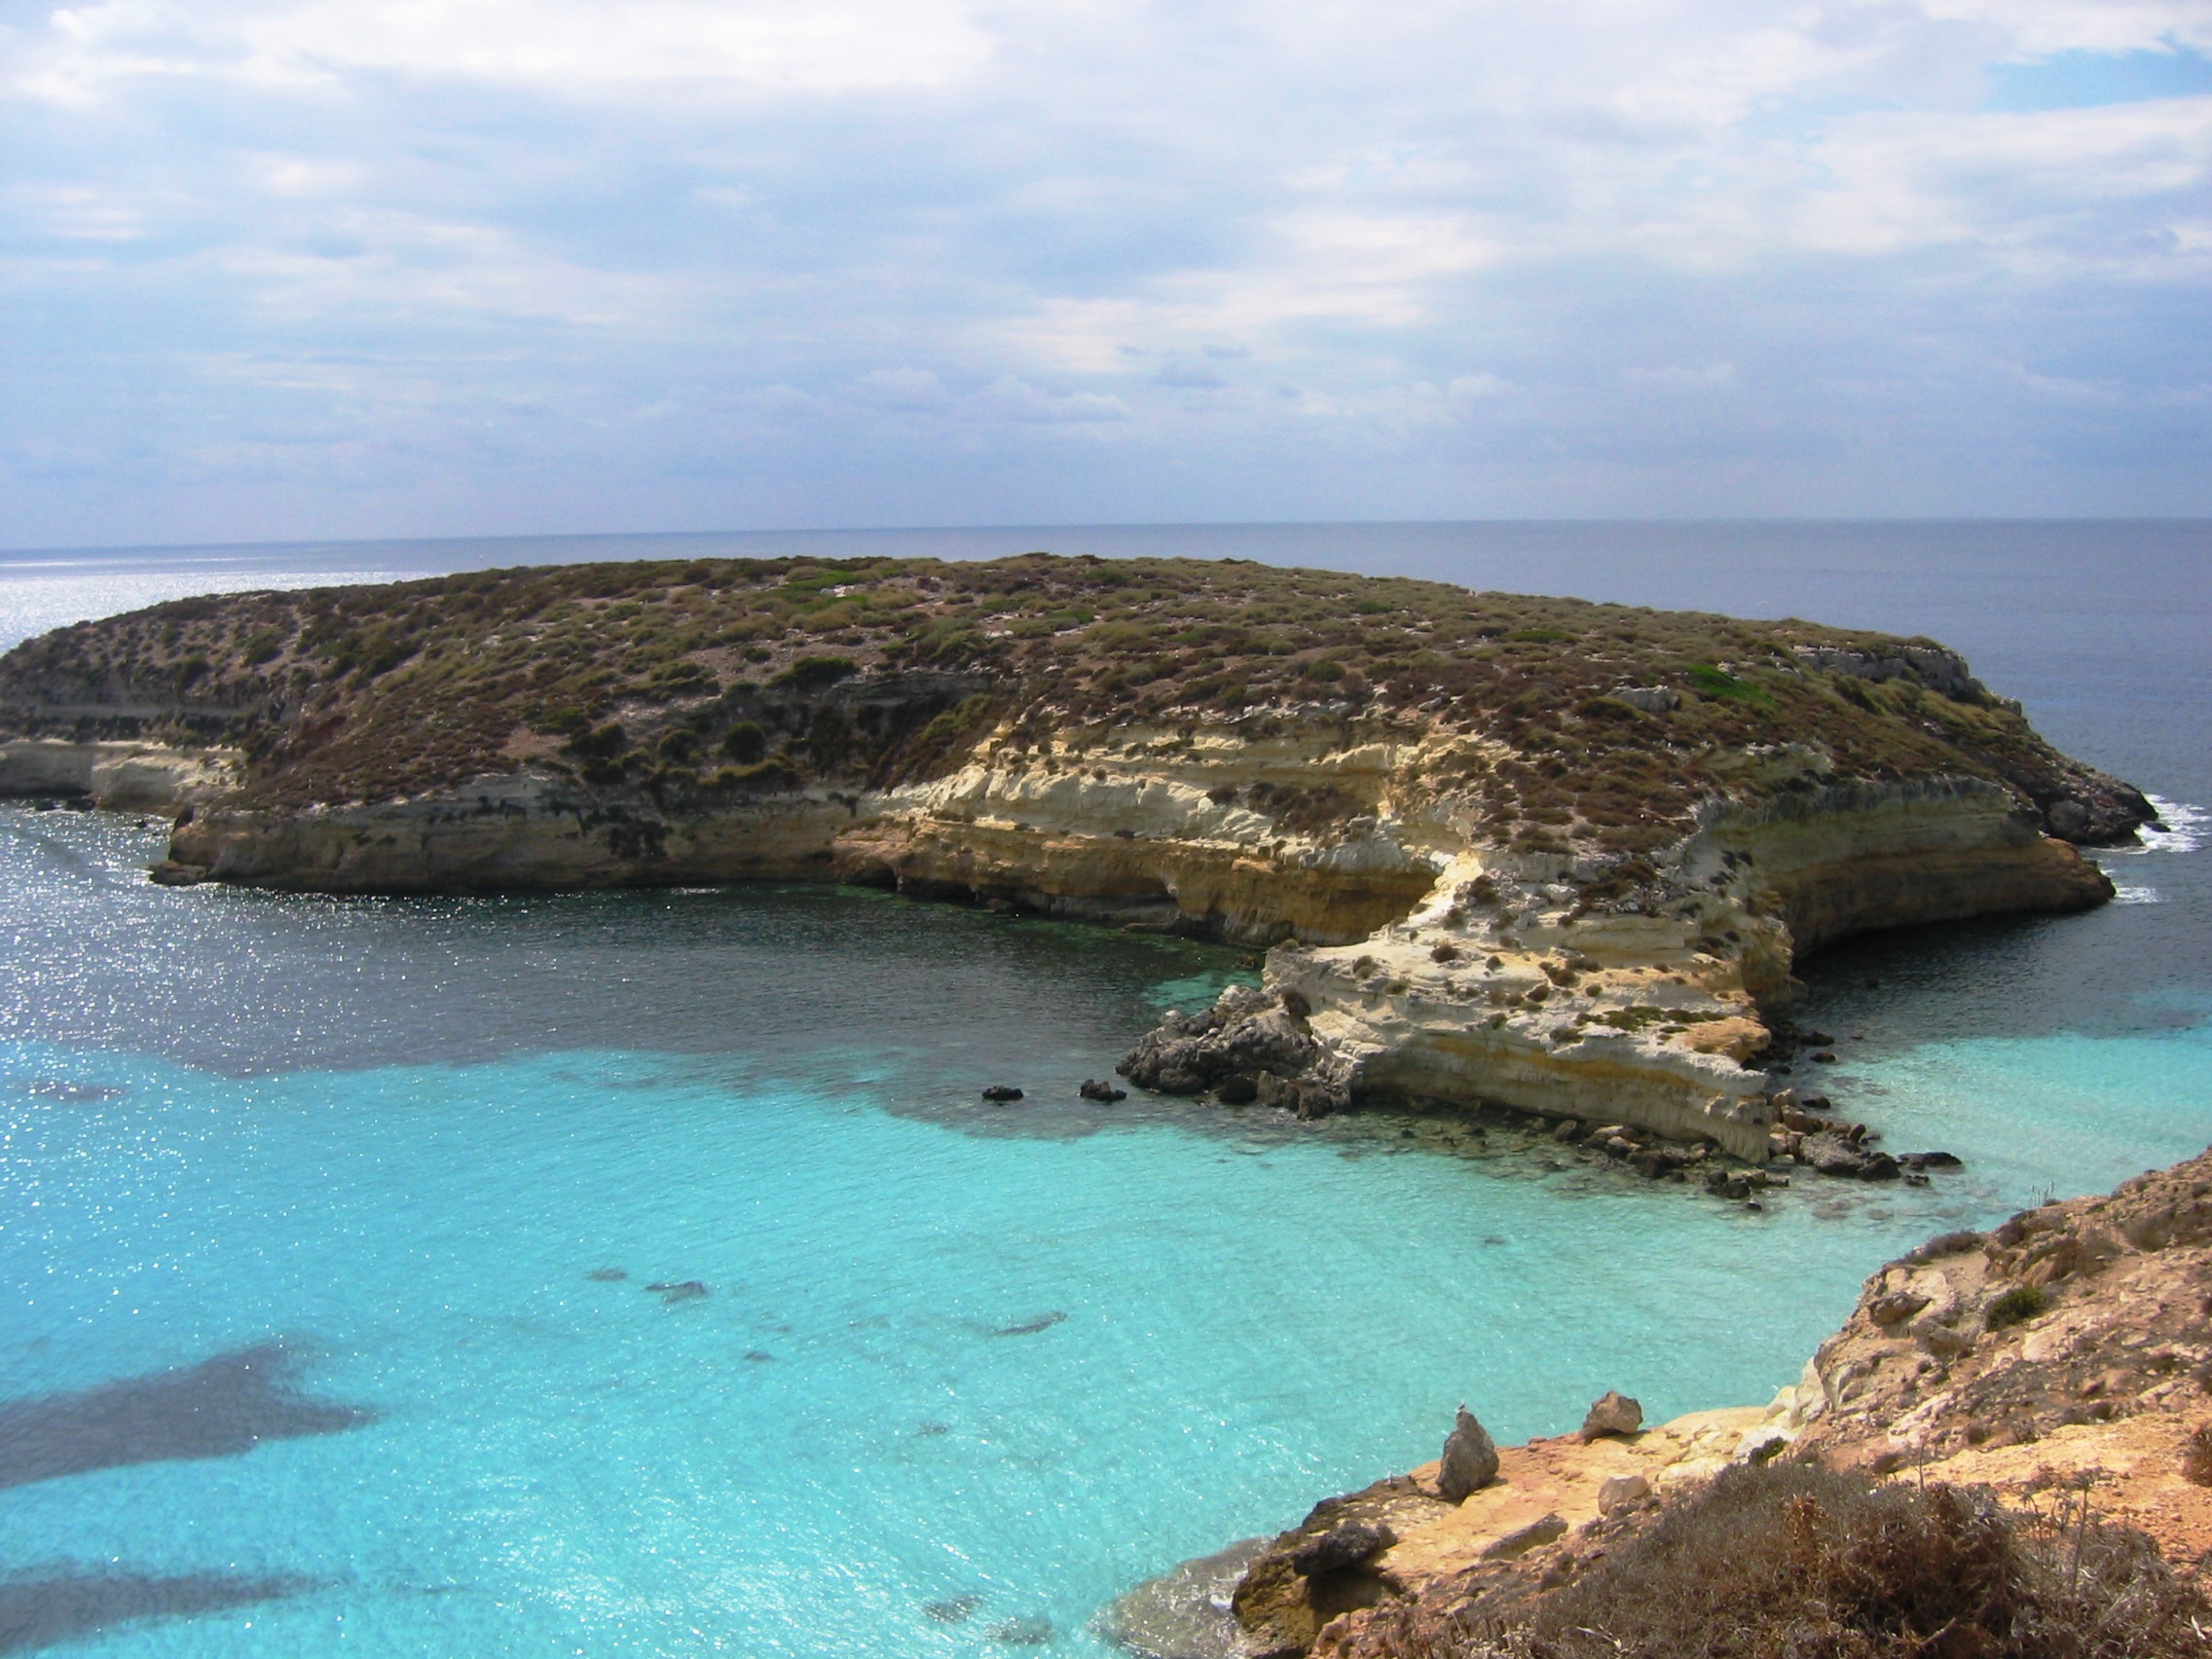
{"x":1470,"y":1459}
{"x":1094,"y":1089}
{"x":1002,"y":1092}
{"x":1613,"y":1413}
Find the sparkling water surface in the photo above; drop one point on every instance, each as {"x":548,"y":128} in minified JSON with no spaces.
{"x":957,"y":1369}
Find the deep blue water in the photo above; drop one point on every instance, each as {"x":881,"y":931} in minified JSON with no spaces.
{"x":357,"y":1160}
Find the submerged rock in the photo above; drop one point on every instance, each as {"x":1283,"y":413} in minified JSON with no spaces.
{"x":1030,"y":1327}
{"x":1033,"y":1630}
{"x":608,"y":1276}
{"x":674,"y":1291}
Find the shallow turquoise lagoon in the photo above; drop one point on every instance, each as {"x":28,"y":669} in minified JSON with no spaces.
{"x":358,"y":1162}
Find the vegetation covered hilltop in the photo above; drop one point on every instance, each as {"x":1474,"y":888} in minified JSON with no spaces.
{"x":1602,"y":727}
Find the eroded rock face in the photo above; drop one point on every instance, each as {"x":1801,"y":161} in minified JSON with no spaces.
{"x":125,"y":777}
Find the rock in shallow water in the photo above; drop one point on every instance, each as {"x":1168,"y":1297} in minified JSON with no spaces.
{"x":1250,"y":1046}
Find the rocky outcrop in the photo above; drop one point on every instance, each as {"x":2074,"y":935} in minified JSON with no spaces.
{"x":2074,"y":1336}
{"x":1506,"y":983}
{"x":2068,"y":1351}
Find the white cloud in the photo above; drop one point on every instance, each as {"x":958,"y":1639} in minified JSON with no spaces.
{"x":1225,"y":242}
{"x":836,"y":46}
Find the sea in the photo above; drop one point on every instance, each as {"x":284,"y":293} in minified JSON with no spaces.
{"x":641,"y":1273}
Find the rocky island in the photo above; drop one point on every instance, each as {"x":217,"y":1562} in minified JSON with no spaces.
{"x":1541,"y":853}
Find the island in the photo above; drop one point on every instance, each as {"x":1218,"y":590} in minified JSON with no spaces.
{"x":1535,"y":853}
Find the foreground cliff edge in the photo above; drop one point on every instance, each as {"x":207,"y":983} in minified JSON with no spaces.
{"x":1542,"y":853}
{"x":2054,"y":1376}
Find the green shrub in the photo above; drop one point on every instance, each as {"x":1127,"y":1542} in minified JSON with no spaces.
{"x":815,"y":672}
{"x":2017,"y":1306}
{"x":745,"y":741}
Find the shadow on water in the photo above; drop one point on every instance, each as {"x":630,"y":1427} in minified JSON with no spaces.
{"x":220,"y":1407}
{"x":73,"y":1602}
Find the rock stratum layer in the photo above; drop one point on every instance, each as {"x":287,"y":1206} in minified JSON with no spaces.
{"x":2061,"y":1363}
{"x":1549,"y":854}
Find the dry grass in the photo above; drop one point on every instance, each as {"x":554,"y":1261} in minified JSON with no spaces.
{"x":1796,"y":1561}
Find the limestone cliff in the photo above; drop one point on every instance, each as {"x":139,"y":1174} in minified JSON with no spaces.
{"x":1538,"y":851}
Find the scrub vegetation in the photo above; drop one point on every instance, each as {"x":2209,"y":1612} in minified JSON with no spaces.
{"x":1598,"y":725}
{"x":1788,"y":1562}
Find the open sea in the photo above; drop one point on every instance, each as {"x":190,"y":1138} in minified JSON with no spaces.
{"x":330,"y":1229}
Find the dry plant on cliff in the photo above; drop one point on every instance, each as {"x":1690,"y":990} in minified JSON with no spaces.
{"x":1799,"y":1561}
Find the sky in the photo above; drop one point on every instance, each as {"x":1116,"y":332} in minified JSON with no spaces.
{"x":289,"y":269}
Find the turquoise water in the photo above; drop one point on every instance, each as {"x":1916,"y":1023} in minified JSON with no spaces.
{"x":336,"y":1176}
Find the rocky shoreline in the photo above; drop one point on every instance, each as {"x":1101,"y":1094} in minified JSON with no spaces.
{"x":2067,"y":1352}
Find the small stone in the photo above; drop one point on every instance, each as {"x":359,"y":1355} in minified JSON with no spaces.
{"x":1470,"y":1459}
{"x":1613,"y":1413}
{"x":1618,"y":1491}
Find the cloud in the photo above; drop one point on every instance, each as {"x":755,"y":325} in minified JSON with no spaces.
{"x":576,"y":46}
{"x":479,"y":264}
